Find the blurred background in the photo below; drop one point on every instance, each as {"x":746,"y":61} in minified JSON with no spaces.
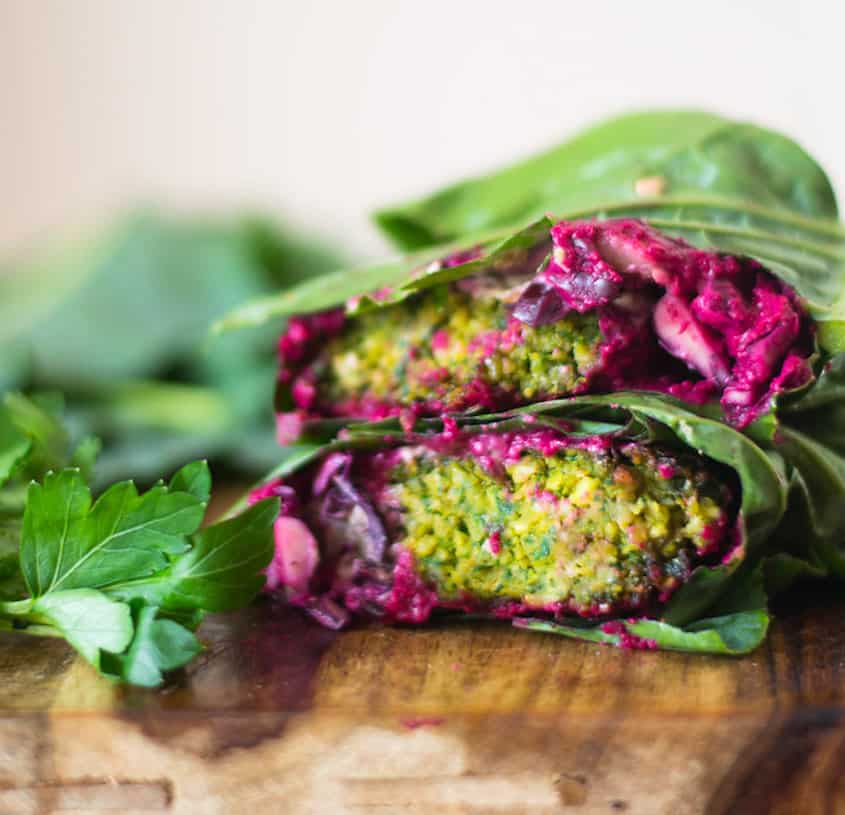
{"x":163,"y":160}
{"x":321,"y":111}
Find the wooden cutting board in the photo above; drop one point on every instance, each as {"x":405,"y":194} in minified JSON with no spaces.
{"x":281,"y":716}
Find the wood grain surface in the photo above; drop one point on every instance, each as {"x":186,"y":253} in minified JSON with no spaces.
{"x":456,"y":717}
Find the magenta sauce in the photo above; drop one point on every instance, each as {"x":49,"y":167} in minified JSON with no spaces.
{"x":626,"y":639}
{"x":700,"y":326}
{"x":332,"y":582}
{"x":739,"y":328}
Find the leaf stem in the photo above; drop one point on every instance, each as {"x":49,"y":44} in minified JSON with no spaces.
{"x":16,"y":616}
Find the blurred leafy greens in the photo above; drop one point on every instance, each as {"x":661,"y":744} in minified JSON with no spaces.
{"x":119,"y":324}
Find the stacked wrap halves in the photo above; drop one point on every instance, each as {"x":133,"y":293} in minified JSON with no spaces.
{"x":591,"y":425}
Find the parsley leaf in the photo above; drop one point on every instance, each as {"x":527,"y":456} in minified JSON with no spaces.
{"x":220,"y":572}
{"x":157,"y":645}
{"x":69,"y":543}
{"x":123,"y":578}
{"x":87,"y":619}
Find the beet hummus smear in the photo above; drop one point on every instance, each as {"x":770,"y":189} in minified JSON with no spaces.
{"x":502,"y":523}
{"x":601,"y":307}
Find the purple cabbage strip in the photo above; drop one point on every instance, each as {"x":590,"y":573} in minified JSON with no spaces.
{"x":341,"y":497}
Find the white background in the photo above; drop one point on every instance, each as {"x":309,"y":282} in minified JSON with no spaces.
{"x":322,"y":111}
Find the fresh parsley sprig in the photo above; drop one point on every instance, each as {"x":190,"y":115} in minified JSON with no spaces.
{"x":125,"y":578}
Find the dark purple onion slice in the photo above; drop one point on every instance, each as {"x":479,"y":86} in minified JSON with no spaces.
{"x":540,"y":304}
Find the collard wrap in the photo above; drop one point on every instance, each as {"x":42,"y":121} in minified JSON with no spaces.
{"x":596,"y":516}
{"x":502,"y":304}
{"x":584,"y":307}
{"x":682,"y":310}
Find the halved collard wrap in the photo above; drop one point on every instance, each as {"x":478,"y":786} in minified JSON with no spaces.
{"x":686,"y":255}
{"x":689,"y":256}
{"x":573,"y":307}
{"x":625,"y":518}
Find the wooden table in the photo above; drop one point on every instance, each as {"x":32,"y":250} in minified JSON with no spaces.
{"x":280,"y":716}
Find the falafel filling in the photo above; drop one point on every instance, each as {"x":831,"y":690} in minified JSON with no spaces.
{"x":500,"y":522}
{"x":445,"y":348}
{"x":590,"y":530}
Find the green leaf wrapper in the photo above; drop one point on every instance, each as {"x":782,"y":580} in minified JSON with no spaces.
{"x":691,"y":157}
{"x":731,"y":634}
{"x":723,"y":186}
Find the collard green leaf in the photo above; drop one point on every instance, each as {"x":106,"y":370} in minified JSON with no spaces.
{"x":395,"y":281}
{"x":783,"y":570}
{"x":814,"y":528}
{"x":732,"y":634}
{"x":590,"y":633}
{"x":294,"y":456}
{"x":290,"y":458}
{"x":738,"y":633}
{"x":322,"y":292}
{"x":691,"y":158}
{"x":69,"y":543}
{"x":810,"y":440}
{"x":720,"y":590}
{"x":820,"y":411}
{"x":736,"y":624}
